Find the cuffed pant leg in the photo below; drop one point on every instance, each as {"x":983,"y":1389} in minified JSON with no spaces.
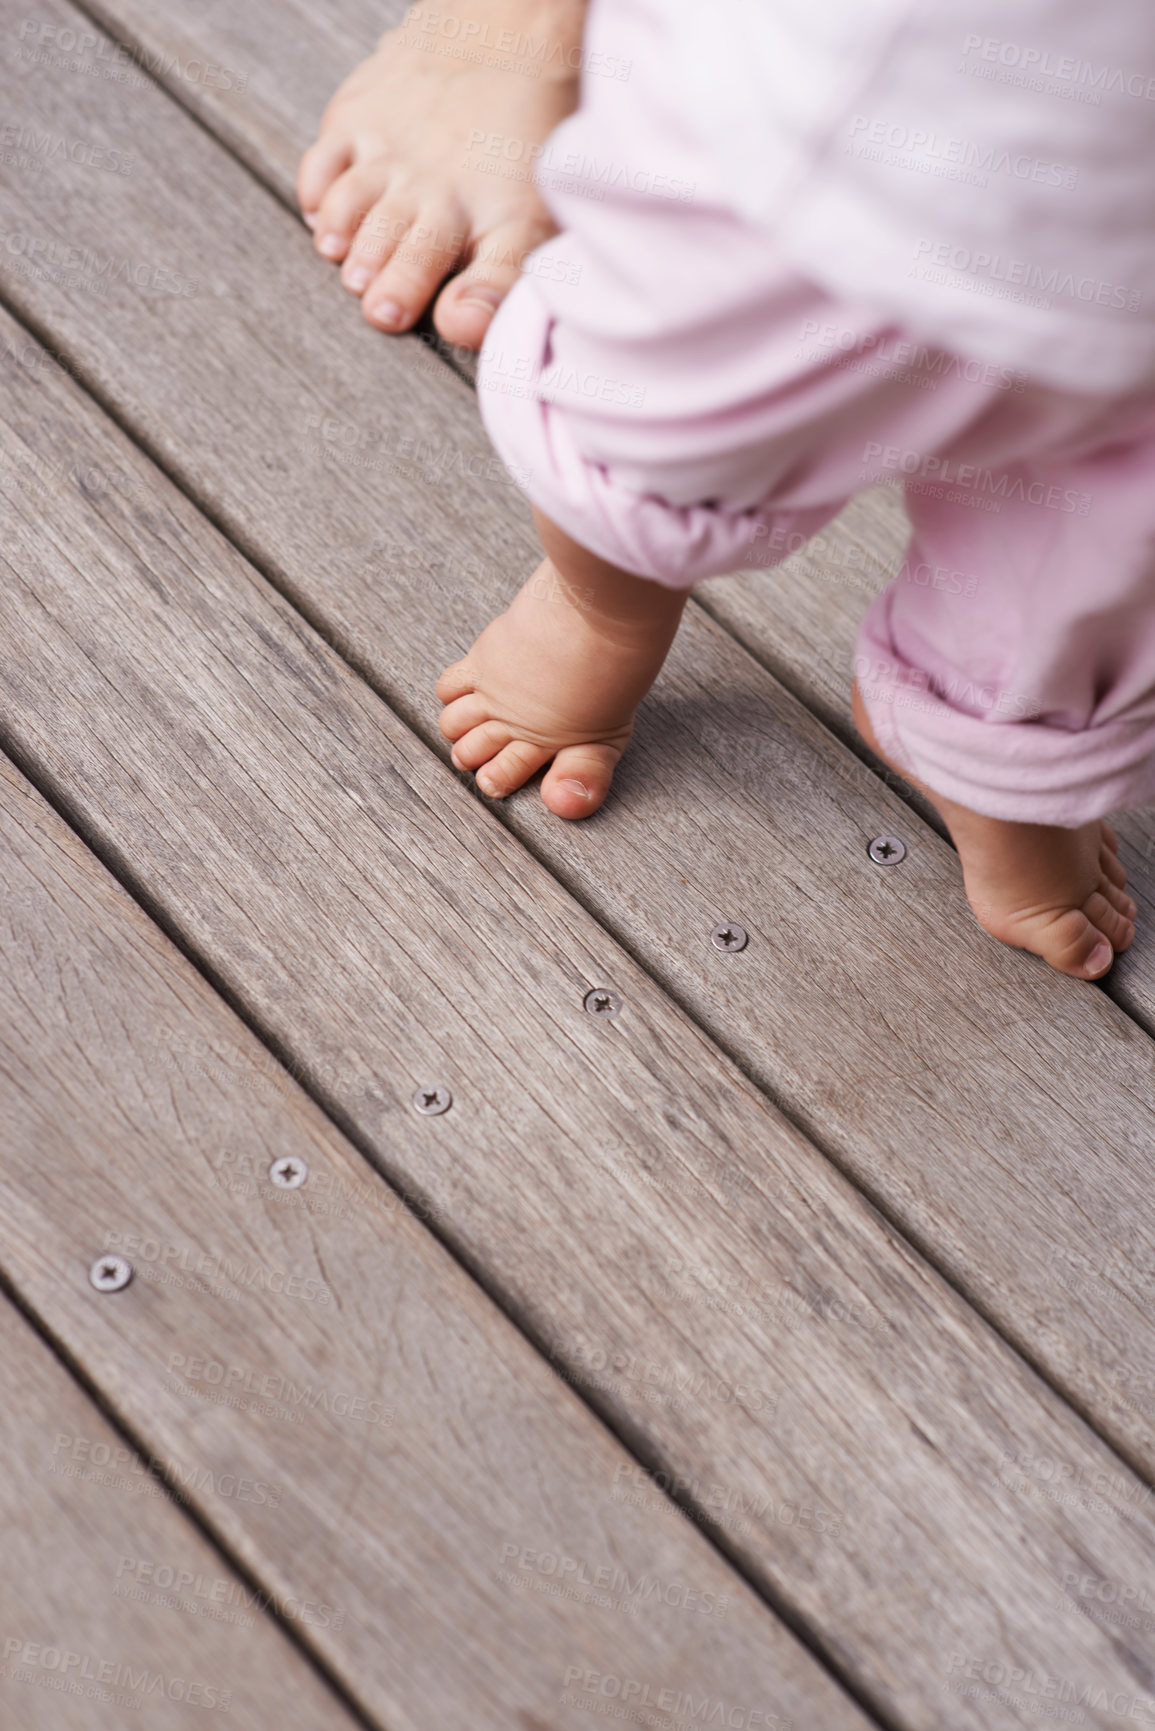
{"x":1011,"y":664}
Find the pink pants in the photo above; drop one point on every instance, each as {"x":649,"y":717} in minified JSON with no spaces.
{"x":1011,"y":663}
{"x":682,"y":402}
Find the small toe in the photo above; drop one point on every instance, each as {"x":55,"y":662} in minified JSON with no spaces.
{"x":1110,"y":920}
{"x":381,"y":231}
{"x":455,"y":681}
{"x":480,"y":744}
{"x":467,"y":304}
{"x":1112,"y":867}
{"x":580,"y":779}
{"x":419,"y":263}
{"x":464,"y":713}
{"x":345,"y":206}
{"x":512,"y":767}
{"x":1118,"y":898}
{"x":319,"y":168}
{"x":1108,"y":835}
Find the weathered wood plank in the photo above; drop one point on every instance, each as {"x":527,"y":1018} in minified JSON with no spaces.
{"x":259,"y":76}
{"x":114,"y":1609}
{"x":902,"y":1038}
{"x":324,"y":1383}
{"x":710,"y":1282}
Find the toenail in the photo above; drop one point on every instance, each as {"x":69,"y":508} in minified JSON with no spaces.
{"x":357,"y":278}
{"x":1098,"y":959}
{"x":487,"y":786}
{"x":310,"y":217}
{"x":575,"y":786}
{"x":330,"y":245}
{"x":387,"y":313}
{"x":485,"y":297}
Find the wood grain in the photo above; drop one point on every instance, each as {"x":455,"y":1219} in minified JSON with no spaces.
{"x":328,"y":1388}
{"x":1000,"y":1114}
{"x":259,"y":76}
{"x":115,"y":1610}
{"x":843,"y":1423}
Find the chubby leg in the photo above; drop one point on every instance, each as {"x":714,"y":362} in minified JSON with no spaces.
{"x":1060,"y":893}
{"x":557,"y":678}
{"x":400,"y":187}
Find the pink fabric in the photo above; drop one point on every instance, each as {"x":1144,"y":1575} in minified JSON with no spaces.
{"x":684,"y":402}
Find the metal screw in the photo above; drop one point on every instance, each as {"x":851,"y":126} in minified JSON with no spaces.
{"x":887,"y":850}
{"x":110,"y":1274}
{"x":729,"y":937}
{"x":602,"y":1002}
{"x":432,"y":1101}
{"x":287,"y":1173}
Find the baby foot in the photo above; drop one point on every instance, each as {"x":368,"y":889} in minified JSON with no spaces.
{"x":397,"y":186}
{"x":1060,"y":893}
{"x":559,"y":676}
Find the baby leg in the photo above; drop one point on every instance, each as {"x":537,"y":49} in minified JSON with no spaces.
{"x":1058,"y":892}
{"x":558,"y":677}
{"x":1010,"y":673}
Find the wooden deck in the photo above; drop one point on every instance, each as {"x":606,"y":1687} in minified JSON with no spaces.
{"x":777,"y":1351}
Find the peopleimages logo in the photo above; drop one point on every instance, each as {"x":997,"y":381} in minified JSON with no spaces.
{"x":631,"y":1591}
{"x":924,"y":151}
{"x":239,"y":1381}
{"x":1107,"y":1592}
{"x":583,"y":1687}
{"x":1026,"y":1688}
{"x":1066,"y":69}
{"x":969,"y":480}
{"x":993,"y":268}
{"x":208,"y":1595}
{"x":71,"y":1671}
{"x":929,"y":365}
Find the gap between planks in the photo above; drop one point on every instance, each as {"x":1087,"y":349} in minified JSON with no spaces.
{"x":79,"y":1573}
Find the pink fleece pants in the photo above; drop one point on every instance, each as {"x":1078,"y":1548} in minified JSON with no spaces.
{"x":1010,"y":665}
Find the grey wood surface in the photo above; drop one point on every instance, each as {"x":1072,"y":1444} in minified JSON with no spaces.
{"x":874,"y":1457}
{"x":338,"y":1399}
{"x":1000,"y":1114}
{"x":115,"y":1610}
{"x":258,"y":75}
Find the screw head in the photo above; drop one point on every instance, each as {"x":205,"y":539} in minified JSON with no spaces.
{"x":602,"y":1002}
{"x":729,"y":936}
{"x":288,"y":1173}
{"x":110,"y":1273}
{"x":887,"y":850}
{"x":431,"y":1102}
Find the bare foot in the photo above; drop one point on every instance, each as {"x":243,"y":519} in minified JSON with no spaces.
{"x":401,"y":184}
{"x":559,"y":676}
{"x":1060,"y":893}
